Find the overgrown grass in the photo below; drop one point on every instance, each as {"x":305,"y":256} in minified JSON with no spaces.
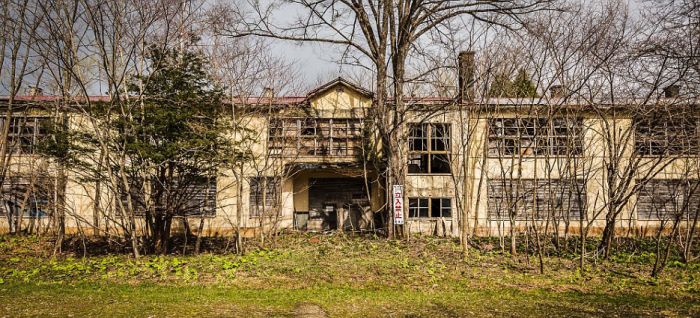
{"x":345,"y":275}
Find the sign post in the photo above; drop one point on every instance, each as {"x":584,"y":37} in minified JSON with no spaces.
{"x":398,"y":204}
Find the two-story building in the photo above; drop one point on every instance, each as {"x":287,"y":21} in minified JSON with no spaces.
{"x":554,"y":161}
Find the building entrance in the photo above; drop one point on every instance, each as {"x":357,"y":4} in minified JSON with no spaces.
{"x":337,"y":203}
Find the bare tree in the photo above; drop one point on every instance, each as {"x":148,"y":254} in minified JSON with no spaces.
{"x":18,"y":27}
{"x":382,"y":33}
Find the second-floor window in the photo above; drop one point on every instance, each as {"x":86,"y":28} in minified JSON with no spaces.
{"x":311,"y":137}
{"x":535,"y":136}
{"x":429,"y":148}
{"x":25,"y":132}
{"x":666,"y":133}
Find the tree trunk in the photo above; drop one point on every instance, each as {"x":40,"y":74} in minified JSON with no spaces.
{"x":607,"y":236}
{"x":60,"y":206}
{"x":513,"y":243}
{"x":162,"y":233}
{"x":200,"y":229}
{"x":397,"y":154}
{"x":239,"y":213}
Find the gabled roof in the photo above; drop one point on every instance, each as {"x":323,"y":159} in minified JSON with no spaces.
{"x":338,"y":81}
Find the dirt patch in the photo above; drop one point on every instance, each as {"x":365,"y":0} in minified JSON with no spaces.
{"x":309,"y":310}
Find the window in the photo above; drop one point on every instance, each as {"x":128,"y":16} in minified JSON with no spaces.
{"x":263,"y":195}
{"x":665,"y":199}
{"x":137,"y":193}
{"x":26,"y":132}
{"x":21,"y":198}
{"x":198,"y":198}
{"x":418,"y":208}
{"x":535,"y":136}
{"x":429,"y":148}
{"x":307,"y":127}
{"x":429,"y":207}
{"x":313,"y":137}
{"x":529,"y":199}
{"x":666,"y":134}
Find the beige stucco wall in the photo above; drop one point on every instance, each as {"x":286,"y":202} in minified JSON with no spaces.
{"x":467,"y":185}
{"x":340,"y":101}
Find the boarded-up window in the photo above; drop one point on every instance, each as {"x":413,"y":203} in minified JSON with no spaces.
{"x":667,"y":133}
{"x":264,"y":195}
{"x":25,"y":132}
{"x":197,"y":198}
{"x":529,"y":199}
{"x":429,"y":148}
{"x":535,"y":136}
{"x":429,"y":207}
{"x":668,"y":198}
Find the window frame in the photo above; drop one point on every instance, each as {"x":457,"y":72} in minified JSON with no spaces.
{"x":535,"y":136}
{"x":311,"y":137}
{"x":648,"y":137}
{"x":658,"y":192}
{"x":535,"y":202}
{"x":271,"y":197}
{"x":38,"y":188}
{"x":428,"y":140}
{"x":202,"y":198}
{"x":18,"y":132}
{"x":429,"y":208}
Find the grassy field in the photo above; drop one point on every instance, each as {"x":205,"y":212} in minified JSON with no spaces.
{"x":338,"y":276}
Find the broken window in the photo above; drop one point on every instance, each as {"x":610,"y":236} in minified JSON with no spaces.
{"x":309,"y":137}
{"x":666,"y":133}
{"x":429,"y":148}
{"x":307,"y":127}
{"x":429,"y":207}
{"x":530,"y":199}
{"x":668,"y":198}
{"x":264,"y":192}
{"x":25,"y":132}
{"x":535,"y":136}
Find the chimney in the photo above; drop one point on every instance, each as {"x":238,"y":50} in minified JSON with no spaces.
{"x":557,"y":91}
{"x":268,"y":92}
{"x":672,"y":91}
{"x":35,"y":91}
{"x":466,"y":68}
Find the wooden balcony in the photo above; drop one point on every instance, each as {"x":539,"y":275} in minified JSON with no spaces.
{"x":315,"y":139}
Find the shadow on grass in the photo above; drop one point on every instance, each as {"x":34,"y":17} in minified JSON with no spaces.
{"x":180,"y":301}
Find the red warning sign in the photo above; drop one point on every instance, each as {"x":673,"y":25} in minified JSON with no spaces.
{"x":398,"y":204}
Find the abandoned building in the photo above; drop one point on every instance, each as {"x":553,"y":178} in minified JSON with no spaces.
{"x":504,"y":161}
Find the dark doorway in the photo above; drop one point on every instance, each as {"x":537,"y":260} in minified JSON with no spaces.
{"x":336,"y":202}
